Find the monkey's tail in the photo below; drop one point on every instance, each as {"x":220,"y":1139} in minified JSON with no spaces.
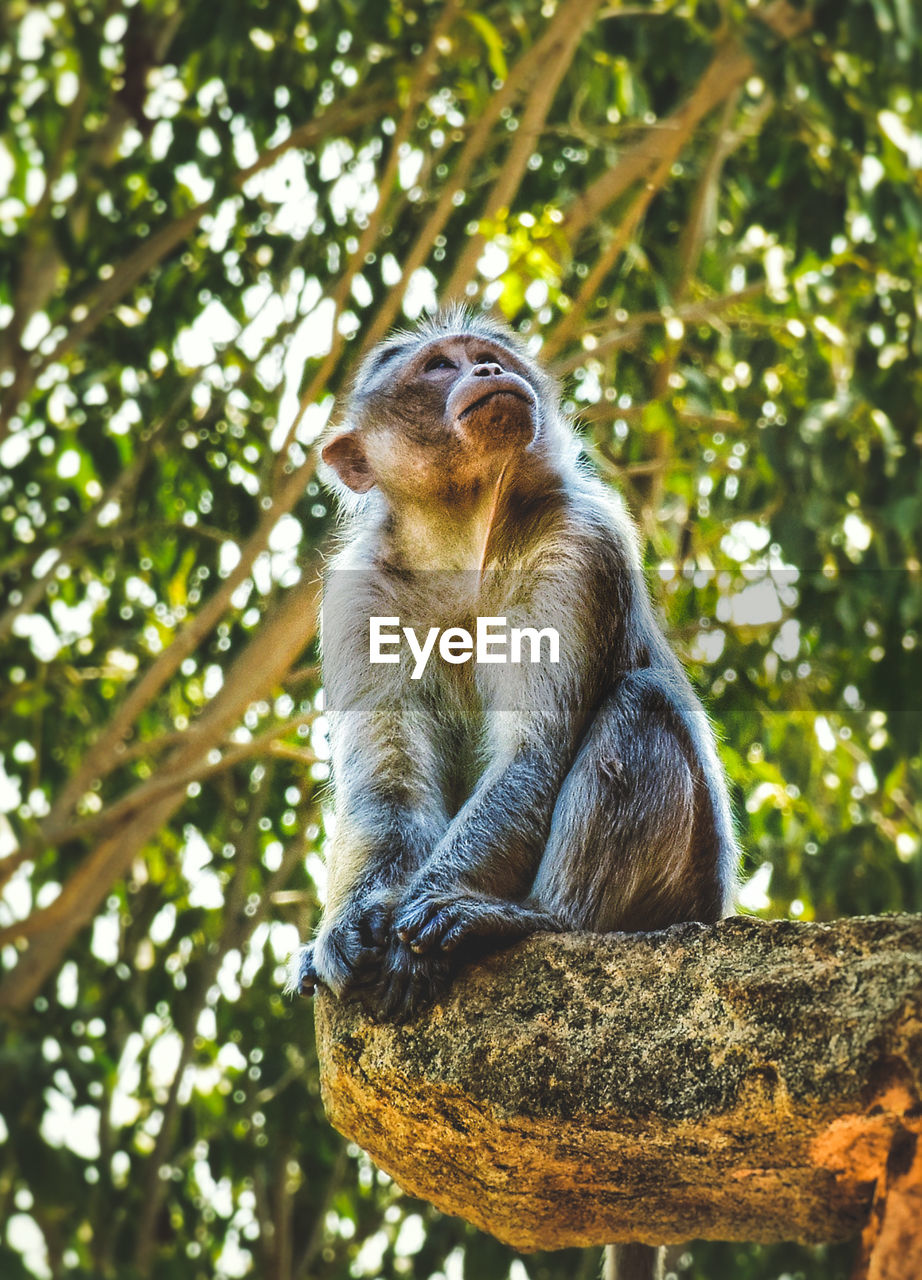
{"x":633,"y":1262}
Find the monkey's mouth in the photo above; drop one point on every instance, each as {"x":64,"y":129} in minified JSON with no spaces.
{"x":477,"y":394}
{"x":491,"y":395}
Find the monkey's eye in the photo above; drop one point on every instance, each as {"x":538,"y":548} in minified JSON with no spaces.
{"x":486,"y":357}
{"x":439,"y":362}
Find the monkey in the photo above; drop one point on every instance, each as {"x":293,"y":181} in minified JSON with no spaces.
{"x":479,"y":802}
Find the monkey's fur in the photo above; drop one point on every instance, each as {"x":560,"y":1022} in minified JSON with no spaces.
{"x":483,"y":803}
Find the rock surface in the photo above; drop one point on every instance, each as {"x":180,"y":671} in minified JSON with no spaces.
{"x":746,"y":1081}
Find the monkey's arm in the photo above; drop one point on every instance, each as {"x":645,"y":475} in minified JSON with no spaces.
{"x":481,"y":870}
{"x":389,"y":816}
{"x":386,"y":758}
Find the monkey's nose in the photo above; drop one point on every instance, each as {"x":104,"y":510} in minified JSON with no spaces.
{"x":486,"y":370}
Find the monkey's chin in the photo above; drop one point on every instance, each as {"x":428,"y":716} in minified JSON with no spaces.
{"x":499,"y":416}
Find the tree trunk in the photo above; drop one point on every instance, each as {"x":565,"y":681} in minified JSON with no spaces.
{"x":750,"y":1080}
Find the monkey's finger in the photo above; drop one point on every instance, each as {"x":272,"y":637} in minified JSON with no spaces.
{"x":411,"y":925}
{"x":408,"y":984}
{"x":505,"y":921}
{"x":367,"y":961}
{"x":395,"y":1000}
{"x":423,"y":941}
{"x":474,"y":923}
{"x":390,"y":1005}
{"x":455,"y":935}
{"x":432,"y":934}
{"x":374,"y":927}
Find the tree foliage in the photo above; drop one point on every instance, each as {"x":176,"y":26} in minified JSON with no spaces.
{"x":706,"y":216}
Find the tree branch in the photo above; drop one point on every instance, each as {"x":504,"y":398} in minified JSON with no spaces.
{"x":567,"y":326}
{"x":520,"y":79}
{"x":748,"y":1081}
{"x":103,"y":757}
{"x":626,"y":336}
{"x":427,"y":67}
{"x":259,"y":669}
{"x":100,"y":299}
{"x":557,"y":48}
{"x":730,"y":67}
{"x":168,"y":780}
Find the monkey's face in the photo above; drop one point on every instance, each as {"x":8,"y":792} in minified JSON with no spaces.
{"x":436,"y":419}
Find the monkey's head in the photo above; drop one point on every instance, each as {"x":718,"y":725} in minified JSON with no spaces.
{"x":438,"y":413}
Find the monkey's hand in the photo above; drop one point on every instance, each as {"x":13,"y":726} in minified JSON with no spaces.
{"x":348,"y":952}
{"x":443,"y":920}
{"x":405,"y":984}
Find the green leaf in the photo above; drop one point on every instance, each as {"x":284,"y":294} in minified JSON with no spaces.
{"x":494,"y":42}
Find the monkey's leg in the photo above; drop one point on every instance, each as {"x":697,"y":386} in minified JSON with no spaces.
{"x":390,"y":813}
{"x":633,"y":844}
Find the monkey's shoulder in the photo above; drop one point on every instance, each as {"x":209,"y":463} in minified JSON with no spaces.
{"x":584,"y":529}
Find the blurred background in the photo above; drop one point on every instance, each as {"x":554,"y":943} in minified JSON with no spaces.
{"x":706,"y":216}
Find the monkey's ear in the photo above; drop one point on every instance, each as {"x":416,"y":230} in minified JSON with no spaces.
{"x":345,"y":454}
